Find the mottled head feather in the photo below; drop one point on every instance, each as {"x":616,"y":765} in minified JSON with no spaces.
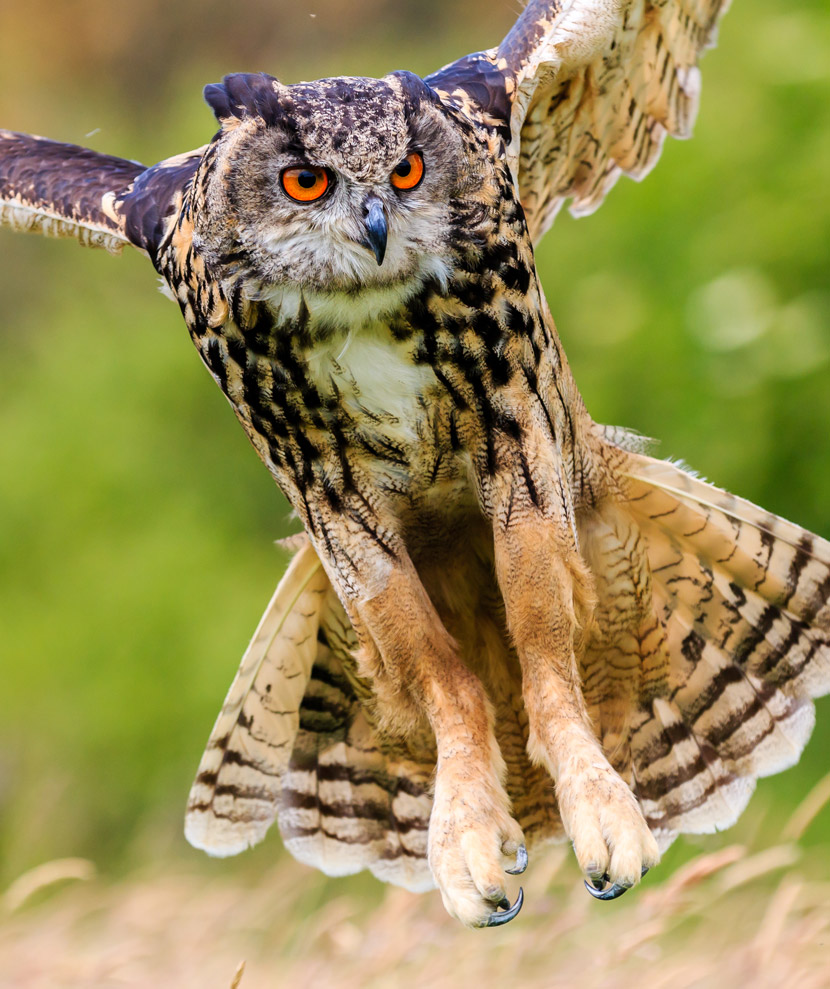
{"x":358,"y":129}
{"x":244,"y":94}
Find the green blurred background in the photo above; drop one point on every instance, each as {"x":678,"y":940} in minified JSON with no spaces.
{"x":136,"y":524}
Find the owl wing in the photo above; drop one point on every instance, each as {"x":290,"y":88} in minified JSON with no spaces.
{"x":587,"y":90}
{"x":715,"y":687}
{"x":294,"y":742}
{"x":62,"y":190}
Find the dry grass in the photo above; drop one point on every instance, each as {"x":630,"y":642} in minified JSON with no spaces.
{"x":730,"y":917}
{"x":727,"y":918}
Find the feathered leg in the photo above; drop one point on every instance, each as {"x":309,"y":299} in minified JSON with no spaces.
{"x":407,"y":652}
{"x":549,"y":598}
{"x":547,"y":593}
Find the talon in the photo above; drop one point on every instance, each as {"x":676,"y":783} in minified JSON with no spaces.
{"x":598,"y":893}
{"x":595,"y":887}
{"x":497,"y":919}
{"x":521,"y":862}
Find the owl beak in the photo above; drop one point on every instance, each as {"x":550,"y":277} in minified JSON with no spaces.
{"x":375,"y":227}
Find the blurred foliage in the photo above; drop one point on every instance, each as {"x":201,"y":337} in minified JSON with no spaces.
{"x":137,"y":525}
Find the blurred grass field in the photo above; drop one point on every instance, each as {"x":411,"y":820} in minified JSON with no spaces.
{"x":137,"y":526}
{"x":727,"y":918}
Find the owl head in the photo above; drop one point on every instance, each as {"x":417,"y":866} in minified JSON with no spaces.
{"x":334,"y":185}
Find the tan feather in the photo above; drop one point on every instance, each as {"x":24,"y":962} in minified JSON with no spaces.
{"x":235,"y":796}
{"x":738,"y":596}
{"x":634,"y":66}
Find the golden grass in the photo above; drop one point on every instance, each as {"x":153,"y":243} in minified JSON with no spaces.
{"x":727,"y":918}
{"x":732,"y":917}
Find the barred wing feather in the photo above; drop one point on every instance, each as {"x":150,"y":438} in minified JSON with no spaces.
{"x":588,"y":90}
{"x":235,"y":796}
{"x":742,"y":645}
{"x":597,"y":94}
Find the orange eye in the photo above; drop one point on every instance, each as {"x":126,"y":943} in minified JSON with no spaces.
{"x":409,"y":173}
{"x":305,"y":183}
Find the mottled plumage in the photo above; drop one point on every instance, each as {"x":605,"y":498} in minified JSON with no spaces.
{"x":506,"y":623}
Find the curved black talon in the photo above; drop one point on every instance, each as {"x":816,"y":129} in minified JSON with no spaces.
{"x":521,"y":862}
{"x":497,"y":919}
{"x":606,"y":894}
{"x":595,"y":887}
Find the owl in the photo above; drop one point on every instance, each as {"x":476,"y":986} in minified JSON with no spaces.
{"x":505,"y":624}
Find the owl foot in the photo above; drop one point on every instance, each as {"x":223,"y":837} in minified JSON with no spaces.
{"x":467,"y":843}
{"x":611,"y":839}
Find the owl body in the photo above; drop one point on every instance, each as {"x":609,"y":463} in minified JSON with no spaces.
{"x":423,"y":422}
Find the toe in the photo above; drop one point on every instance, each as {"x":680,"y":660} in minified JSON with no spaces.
{"x":591,"y":848}
{"x":633,"y":853}
{"x":483,"y":861}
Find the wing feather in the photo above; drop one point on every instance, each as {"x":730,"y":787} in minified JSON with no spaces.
{"x":62,"y":190}
{"x":590,"y":90}
{"x":235,"y":796}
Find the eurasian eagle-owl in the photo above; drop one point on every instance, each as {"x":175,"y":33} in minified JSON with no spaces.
{"x":507,"y":624}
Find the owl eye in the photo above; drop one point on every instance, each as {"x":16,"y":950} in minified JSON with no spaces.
{"x":409,"y":172}
{"x":305,"y":183}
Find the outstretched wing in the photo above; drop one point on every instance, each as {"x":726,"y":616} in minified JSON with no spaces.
{"x":62,"y":190}
{"x":588,"y":89}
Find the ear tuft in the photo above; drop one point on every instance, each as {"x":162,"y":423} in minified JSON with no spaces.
{"x":244,"y":94}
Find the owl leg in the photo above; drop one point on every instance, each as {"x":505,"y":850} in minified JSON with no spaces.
{"x":409,"y":654}
{"x":547,"y":592}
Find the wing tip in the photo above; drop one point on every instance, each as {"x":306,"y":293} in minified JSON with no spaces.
{"x":220,"y":837}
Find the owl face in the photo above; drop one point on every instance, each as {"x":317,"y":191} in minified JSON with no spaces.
{"x":334,"y":186}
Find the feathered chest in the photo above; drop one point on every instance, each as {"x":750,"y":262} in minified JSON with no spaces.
{"x":340,"y":393}
{"x":375,"y":387}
